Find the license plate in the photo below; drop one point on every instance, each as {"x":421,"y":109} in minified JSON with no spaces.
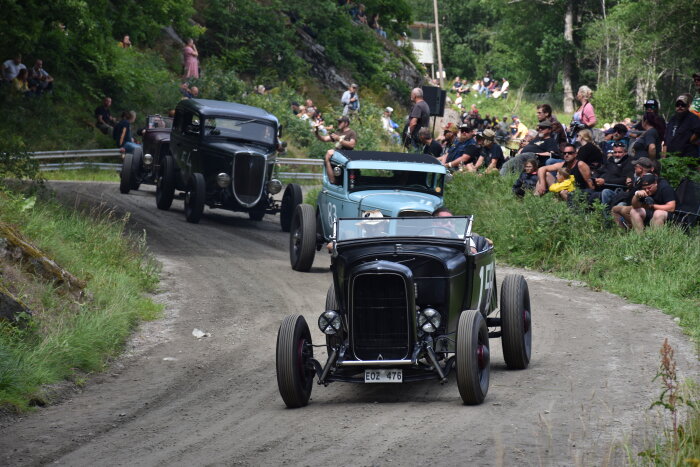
{"x":383,"y":376}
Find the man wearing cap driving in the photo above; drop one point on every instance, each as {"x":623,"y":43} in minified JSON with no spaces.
{"x":343,"y":137}
{"x":651,"y":204}
{"x":683,"y":130}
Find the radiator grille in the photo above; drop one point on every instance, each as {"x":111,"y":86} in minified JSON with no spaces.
{"x":380,"y":317}
{"x":248,"y":177}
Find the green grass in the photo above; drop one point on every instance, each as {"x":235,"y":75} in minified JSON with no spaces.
{"x":65,"y":338}
{"x":84,"y":175}
{"x":660,"y":268}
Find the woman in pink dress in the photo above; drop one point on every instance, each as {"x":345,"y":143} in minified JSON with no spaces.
{"x":191,"y":61}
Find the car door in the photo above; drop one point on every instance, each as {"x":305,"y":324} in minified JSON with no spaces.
{"x":184,"y":143}
{"x":331,"y":202}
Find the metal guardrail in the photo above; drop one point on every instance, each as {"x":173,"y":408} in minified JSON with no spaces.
{"x":90,"y":153}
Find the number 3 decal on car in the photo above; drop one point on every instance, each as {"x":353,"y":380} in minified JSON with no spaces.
{"x":332,"y":214}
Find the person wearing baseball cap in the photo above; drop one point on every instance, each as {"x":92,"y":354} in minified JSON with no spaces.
{"x":491,"y":156}
{"x":682,"y":135}
{"x":652,"y":203}
{"x":344,"y":139}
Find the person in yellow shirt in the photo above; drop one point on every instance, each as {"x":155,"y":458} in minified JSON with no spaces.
{"x":520,"y":128}
{"x":565,"y":183}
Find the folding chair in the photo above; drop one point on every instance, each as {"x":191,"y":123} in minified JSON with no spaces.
{"x":687,"y":204}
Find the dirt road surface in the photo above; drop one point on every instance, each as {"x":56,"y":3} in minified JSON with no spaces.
{"x":177,"y":400}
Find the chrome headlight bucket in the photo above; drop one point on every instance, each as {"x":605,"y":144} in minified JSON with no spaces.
{"x":223,"y":180}
{"x":147,"y":159}
{"x":329,"y":322}
{"x":274,"y":186}
{"x":429,"y":320}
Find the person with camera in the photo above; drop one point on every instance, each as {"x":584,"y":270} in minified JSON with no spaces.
{"x":343,"y":137}
{"x":651,"y":204}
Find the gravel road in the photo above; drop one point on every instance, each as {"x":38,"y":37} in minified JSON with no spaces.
{"x":177,"y":400}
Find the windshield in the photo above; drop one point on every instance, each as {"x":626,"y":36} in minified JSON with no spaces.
{"x":252,"y":130}
{"x":156,"y":121}
{"x":377,"y":227}
{"x":383,"y":179}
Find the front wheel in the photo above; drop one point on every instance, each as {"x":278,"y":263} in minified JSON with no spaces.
{"x":290,"y":200}
{"x":302,"y":238}
{"x":194,"y":198}
{"x":165,"y":183}
{"x":136,"y":164}
{"x":516,"y":322}
{"x":472,"y":357}
{"x":127,"y":174}
{"x":295,"y":371}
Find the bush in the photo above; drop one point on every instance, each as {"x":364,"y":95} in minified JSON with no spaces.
{"x":613,"y":101}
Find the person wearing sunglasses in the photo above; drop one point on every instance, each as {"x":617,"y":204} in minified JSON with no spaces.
{"x":613,"y":175}
{"x":579,"y":169}
{"x":682,"y":131}
{"x":458,"y":152}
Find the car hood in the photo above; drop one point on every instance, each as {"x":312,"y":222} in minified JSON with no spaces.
{"x":392,"y":203}
{"x":231,"y":147}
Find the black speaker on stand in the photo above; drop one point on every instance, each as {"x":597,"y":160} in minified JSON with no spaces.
{"x":435,"y":97}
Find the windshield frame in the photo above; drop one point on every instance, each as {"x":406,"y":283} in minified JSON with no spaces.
{"x":362,"y":229}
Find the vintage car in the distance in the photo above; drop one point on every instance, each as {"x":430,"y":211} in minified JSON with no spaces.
{"x":412,"y":299}
{"x":140,"y":166}
{"x":396,"y":184}
{"x":223,"y":156}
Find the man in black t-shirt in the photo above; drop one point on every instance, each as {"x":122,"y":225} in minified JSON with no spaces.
{"x":545,"y":146}
{"x":683,"y":130}
{"x":103,"y":118}
{"x":418,"y":118}
{"x":430,"y":146}
{"x":652,"y":204}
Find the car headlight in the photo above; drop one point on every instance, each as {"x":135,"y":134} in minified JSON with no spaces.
{"x":147,"y":159}
{"x":274,"y":186}
{"x":223,"y":180}
{"x":329,"y":322}
{"x":429,"y":320}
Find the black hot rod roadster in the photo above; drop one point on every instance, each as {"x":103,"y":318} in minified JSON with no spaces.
{"x":412,"y":299}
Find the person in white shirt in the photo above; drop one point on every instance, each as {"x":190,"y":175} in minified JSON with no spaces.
{"x":11,"y":67}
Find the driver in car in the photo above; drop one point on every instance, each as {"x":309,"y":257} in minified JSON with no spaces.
{"x":476,"y":242}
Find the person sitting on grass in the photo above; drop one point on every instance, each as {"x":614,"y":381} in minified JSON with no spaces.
{"x":491,"y":156}
{"x":651,"y":204}
{"x":580,"y":171}
{"x":564,"y":184}
{"x":527,"y":179}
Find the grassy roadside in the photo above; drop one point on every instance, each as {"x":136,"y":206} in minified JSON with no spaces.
{"x":660,"y":268}
{"x":65,"y":338}
{"x":83,"y":175}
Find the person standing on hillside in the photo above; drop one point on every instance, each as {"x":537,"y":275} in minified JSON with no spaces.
{"x":191,"y":59}
{"x":417,"y":119}
{"x":350,"y":101}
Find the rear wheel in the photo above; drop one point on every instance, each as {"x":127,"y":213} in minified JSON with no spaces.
{"x":136,"y":164}
{"x":302,"y":238}
{"x":472,"y":357}
{"x":126,"y":174}
{"x":290,"y":200}
{"x":194,"y":198}
{"x":295,"y":372}
{"x":516,"y":322}
{"x":165,"y":183}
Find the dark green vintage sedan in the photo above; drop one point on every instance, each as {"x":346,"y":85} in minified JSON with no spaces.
{"x":223,"y":156}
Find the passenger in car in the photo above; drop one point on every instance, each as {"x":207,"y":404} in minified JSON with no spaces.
{"x":477,"y":243}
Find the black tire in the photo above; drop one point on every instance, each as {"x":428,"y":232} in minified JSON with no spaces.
{"x":194,"y":198}
{"x":165,"y":183}
{"x":472,"y":357}
{"x":290,"y":200}
{"x":516,"y":322}
{"x":295,"y":373}
{"x":256,"y":214}
{"x":127,"y":173}
{"x":136,"y":164}
{"x":302,"y":238}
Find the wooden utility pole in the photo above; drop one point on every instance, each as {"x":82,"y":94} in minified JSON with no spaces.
{"x":437,"y":38}
{"x":567,"y":71}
